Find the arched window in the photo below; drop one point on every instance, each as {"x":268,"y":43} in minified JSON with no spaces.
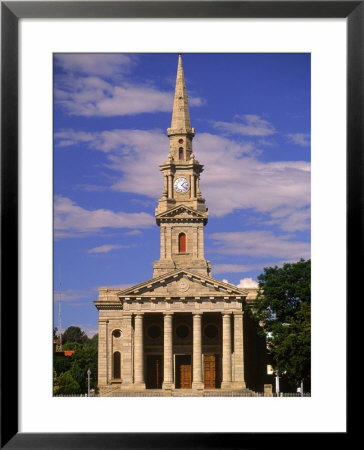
{"x":181,"y":153}
{"x":182,"y":243}
{"x":116,"y":364}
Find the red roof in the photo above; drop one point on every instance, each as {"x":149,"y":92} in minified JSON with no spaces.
{"x":65,"y":352}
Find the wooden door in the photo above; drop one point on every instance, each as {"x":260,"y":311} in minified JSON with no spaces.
{"x":154,"y":377}
{"x":185,"y":376}
{"x":183,"y":372}
{"x":210,"y":366}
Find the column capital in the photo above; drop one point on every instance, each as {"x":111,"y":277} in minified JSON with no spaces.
{"x":167,"y":313}
{"x":140,"y":314}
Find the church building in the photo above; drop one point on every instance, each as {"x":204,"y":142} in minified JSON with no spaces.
{"x":181,"y":329}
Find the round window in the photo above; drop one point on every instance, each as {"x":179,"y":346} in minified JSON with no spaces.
{"x":182,"y":331}
{"x":116,"y":333}
{"x":211,"y":331}
{"x":154,"y":331}
{"x":180,"y":141}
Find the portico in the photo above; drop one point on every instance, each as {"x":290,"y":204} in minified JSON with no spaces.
{"x":175,"y":342}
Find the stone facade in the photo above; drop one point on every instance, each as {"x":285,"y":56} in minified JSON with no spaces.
{"x":182,"y":329}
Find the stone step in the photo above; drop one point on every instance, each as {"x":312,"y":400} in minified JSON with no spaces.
{"x":116,"y":392}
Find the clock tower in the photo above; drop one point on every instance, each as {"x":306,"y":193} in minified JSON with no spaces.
{"x":181,"y":213}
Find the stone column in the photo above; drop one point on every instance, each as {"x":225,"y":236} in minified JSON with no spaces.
{"x":198,"y":187}
{"x":226,"y":351}
{"x":127,"y":374}
{"x":239,"y":380}
{"x":165,"y":186}
{"x":139,"y":353}
{"x":170,"y":186}
{"x":193,"y":193}
{"x":197,"y":382}
{"x":102,"y":353}
{"x":168,"y":353}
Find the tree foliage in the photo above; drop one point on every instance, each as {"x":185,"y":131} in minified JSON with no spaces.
{"x":83,"y":359}
{"x":283,"y":307}
{"x":74,"y":334}
{"x":66,"y":384}
{"x":70,"y":373}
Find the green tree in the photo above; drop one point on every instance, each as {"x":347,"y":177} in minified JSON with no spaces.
{"x":61,"y":364}
{"x":73,"y":334}
{"x":67,"y":385}
{"x":71,"y":346}
{"x":283,"y":308}
{"x":83,"y":359}
{"x":55,"y":383}
{"x":94,"y":341}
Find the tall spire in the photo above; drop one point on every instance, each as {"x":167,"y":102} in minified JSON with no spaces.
{"x":180,"y":115}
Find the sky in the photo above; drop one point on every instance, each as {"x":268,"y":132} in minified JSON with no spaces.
{"x":251,"y":113}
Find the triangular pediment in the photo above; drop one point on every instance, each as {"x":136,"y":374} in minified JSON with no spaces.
{"x":182,"y":283}
{"x":181,"y":211}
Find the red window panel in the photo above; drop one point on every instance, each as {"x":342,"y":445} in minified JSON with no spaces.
{"x":182,"y":243}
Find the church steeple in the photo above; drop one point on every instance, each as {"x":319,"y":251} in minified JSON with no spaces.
{"x":181,"y":213}
{"x":180,"y":133}
{"x":180,"y":116}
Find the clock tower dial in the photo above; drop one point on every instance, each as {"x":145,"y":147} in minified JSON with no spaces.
{"x":181,"y":213}
{"x":181,"y":185}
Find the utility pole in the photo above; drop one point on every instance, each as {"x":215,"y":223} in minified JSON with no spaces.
{"x":59,"y":347}
{"x":88,"y":382}
{"x":277,"y":383}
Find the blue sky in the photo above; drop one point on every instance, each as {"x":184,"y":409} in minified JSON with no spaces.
{"x":252,"y":118}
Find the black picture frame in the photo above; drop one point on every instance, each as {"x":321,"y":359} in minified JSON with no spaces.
{"x":11,"y":12}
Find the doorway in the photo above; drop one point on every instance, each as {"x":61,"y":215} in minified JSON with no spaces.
{"x":183,"y":372}
{"x":211,"y":370}
{"x":154,"y":378}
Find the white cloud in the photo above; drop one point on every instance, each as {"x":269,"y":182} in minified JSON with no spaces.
{"x":233,"y":178}
{"x":92,"y":96}
{"x":259,"y":244}
{"x":102,"y":85}
{"x":234,"y":268}
{"x":302,"y":139}
{"x":71,"y":295}
{"x":69,"y":137}
{"x":247,"y":283}
{"x":132,"y":233}
{"x":248,"y":125}
{"x":95,"y":63}
{"x":290,"y":219}
{"x":72,"y":220}
{"x":106,"y":248}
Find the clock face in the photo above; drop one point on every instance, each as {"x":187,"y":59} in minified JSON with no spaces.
{"x":181,"y":185}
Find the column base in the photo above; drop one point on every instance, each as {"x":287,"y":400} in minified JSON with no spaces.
{"x":139,"y":385}
{"x":197,"y":385}
{"x":238,"y":385}
{"x":167,"y":385}
{"x":226,"y":385}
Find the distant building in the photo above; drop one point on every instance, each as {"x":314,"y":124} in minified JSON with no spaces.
{"x":56,"y":345}
{"x":182,"y":329}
